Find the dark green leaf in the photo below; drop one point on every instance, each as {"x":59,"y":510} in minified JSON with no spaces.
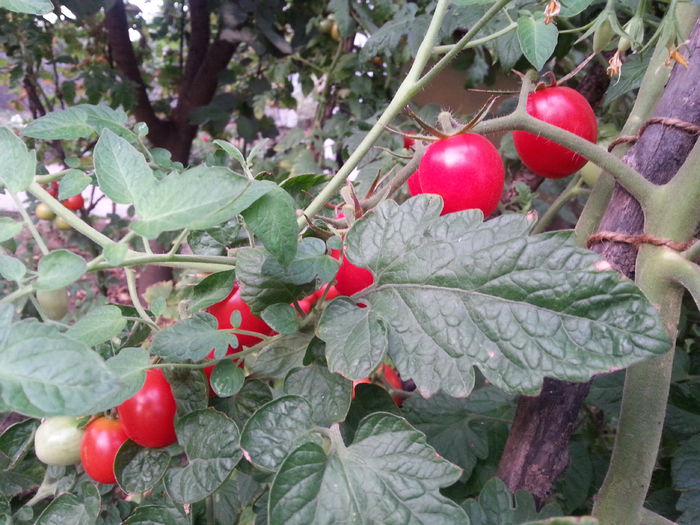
{"x":240,"y":407}
{"x":387,"y":38}
{"x":18,"y":164}
{"x":16,"y":441}
{"x":264,"y":281}
{"x":388,"y":475}
{"x":192,"y":339}
{"x":98,"y":326}
{"x":138,"y":469}
{"x":328,"y":394}
{"x":211,"y":442}
{"x":283,"y":354}
{"x":227,"y":378}
{"x":574,"y":7}
{"x":454,"y":292}
{"x":157,"y":515}
{"x":212,"y":289}
{"x":68,"y":508}
{"x":282,"y":318}
{"x":190,"y":389}
{"x":276,"y":429}
{"x":369,"y":398}
{"x":630,"y":77}
{"x":273,"y":219}
{"x":537,"y":39}
{"x":58,"y":269}
{"x":231,"y":499}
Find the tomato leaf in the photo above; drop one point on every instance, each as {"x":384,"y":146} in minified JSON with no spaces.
{"x":537,"y":39}
{"x":12,"y":269}
{"x":211,"y":443}
{"x":454,"y":292}
{"x":449,"y":423}
{"x":72,"y":183}
{"x":497,"y":506}
{"x":138,"y":469}
{"x":189,"y":388}
{"x":239,"y":492}
{"x":241,"y":406}
{"x":192,"y":339}
{"x":686,"y":478}
{"x":9,"y":228}
{"x":273,"y":219}
{"x":197,"y":198}
{"x":264,"y":281}
{"x":211,"y":290}
{"x":98,"y":326}
{"x":283,"y":354}
{"x":18,"y":164}
{"x":388,"y":475}
{"x":58,"y":269}
{"x":68,"y":124}
{"x":227,"y":379}
{"x":282,"y":318}
{"x":32,"y":7}
{"x":328,"y":394}
{"x":276,"y":429}
{"x":130,"y":366}
{"x":68,"y":508}
{"x":16,"y":441}
{"x":150,"y":514}
{"x":31,"y":384}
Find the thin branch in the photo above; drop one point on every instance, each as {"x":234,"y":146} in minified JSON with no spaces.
{"x":28,"y":221}
{"x":133,"y":293}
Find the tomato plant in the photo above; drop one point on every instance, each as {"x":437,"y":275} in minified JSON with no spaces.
{"x":249,"y":322}
{"x":465,"y":170}
{"x":567,"y":109}
{"x":99,"y":447}
{"x":148,"y":418}
{"x":76,"y":202}
{"x":57,"y":441}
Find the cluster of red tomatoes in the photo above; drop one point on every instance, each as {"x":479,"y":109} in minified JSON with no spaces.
{"x":467,"y":172}
{"x":43,"y":212}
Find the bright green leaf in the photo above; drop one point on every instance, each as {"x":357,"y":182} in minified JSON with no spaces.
{"x":537,"y":39}
{"x":68,"y":124}
{"x":9,"y":228}
{"x":59,"y":269}
{"x":72,"y":183}
{"x":18,"y":164}
{"x":130,"y":366}
{"x":12,"y":269}
{"x":69,"y":508}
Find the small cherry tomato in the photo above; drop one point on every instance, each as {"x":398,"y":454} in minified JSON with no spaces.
{"x":99,"y":447}
{"x":62,"y":224}
{"x":408,"y":143}
{"x":43,"y":212}
{"x":567,"y":109}
{"x":148,"y":417}
{"x":76,"y":202}
{"x":53,"y":303}
{"x":57,"y":441}
{"x":465,"y":170}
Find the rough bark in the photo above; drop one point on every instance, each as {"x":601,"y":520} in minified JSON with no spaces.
{"x":536,"y":452}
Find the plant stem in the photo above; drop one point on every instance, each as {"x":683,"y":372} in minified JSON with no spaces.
{"x":439,"y":50}
{"x":20,"y":292}
{"x":572,"y":190}
{"x":682,"y":271}
{"x":133,"y":293}
{"x":28,"y":221}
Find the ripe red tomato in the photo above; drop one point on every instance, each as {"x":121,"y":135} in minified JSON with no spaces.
{"x":350,"y":279}
{"x":408,"y":143}
{"x":148,"y":417}
{"x":567,"y":109}
{"x":223,"y":310}
{"x":75,"y":202}
{"x":414,"y":184}
{"x":465,"y":170}
{"x":99,"y":447}
{"x":392,"y":377}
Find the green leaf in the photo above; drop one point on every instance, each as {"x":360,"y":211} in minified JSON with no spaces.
{"x":537,"y":39}
{"x":98,"y":326}
{"x":264,"y":281}
{"x":18,"y":164}
{"x":388,"y":37}
{"x":241,"y":406}
{"x":103,"y":117}
{"x":211,"y":290}
{"x":197,"y":198}
{"x":72,"y":183}
{"x":138,"y":469}
{"x":190,"y":389}
{"x":459,"y":429}
{"x":68,"y":124}
{"x":577,"y":520}
{"x":122,"y":171}
{"x":454,"y":292}
{"x":115,"y":253}
{"x":388,"y":475}
{"x":633,"y":71}
{"x":32,"y":7}
{"x":283,"y":354}
{"x":573,"y":7}
{"x":232,"y":151}
{"x":68,"y":508}
{"x":211,"y":443}
{"x":9,"y":228}
{"x":130,"y":366}
{"x":239,"y":492}
{"x":32,"y":383}
{"x":497,"y":506}
{"x":17,"y":440}
{"x":356,"y":338}
{"x":12,"y":269}
{"x":328,"y":394}
{"x":193,"y":339}
{"x":59,"y":269}
{"x":227,"y":378}
{"x":273,"y":219}
{"x":282,"y":318}
{"x":157,"y":515}
{"x":276,"y":429}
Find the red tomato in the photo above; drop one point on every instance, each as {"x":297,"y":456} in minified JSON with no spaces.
{"x":408,"y":143}
{"x":414,"y":184}
{"x":75,"y":202}
{"x":53,"y":189}
{"x":358,"y":382}
{"x":99,"y":447}
{"x":148,"y":417}
{"x":350,"y":279}
{"x":223,"y":310}
{"x":392,"y":377}
{"x":465,"y":170}
{"x":567,"y":109}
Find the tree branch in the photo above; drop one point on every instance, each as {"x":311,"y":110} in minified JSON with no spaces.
{"x":198,"y":42}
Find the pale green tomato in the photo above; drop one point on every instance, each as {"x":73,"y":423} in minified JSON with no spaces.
{"x":57,"y":441}
{"x":54,"y":303}
{"x":590,"y":173}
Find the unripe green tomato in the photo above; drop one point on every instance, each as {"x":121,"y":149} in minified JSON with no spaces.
{"x":43,"y":212}
{"x":325,"y":25}
{"x":57,"y":441}
{"x":53,"y":303}
{"x":335,"y":32}
{"x":61,"y":223}
{"x":590,"y":173}
{"x":602,"y":36}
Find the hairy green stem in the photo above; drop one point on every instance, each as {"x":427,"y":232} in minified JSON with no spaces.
{"x":133,"y":293}
{"x":439,"y":50}
{"x":28,"y":221}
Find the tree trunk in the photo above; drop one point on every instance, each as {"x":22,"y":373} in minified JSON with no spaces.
{"x":536,"y":452}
